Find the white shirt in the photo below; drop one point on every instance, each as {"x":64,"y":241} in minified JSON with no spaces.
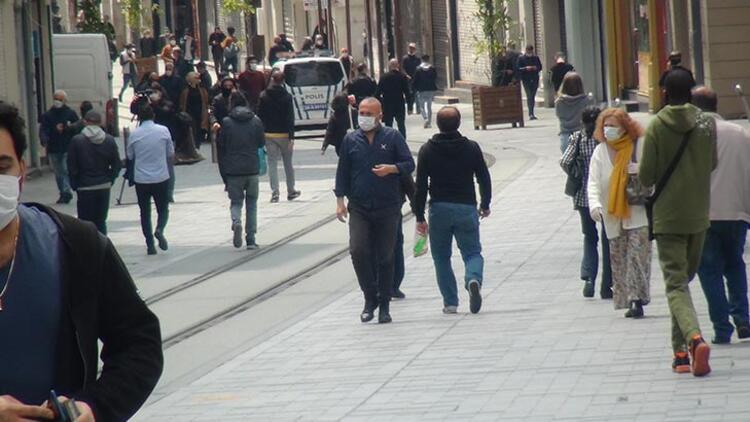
{"x":600,"y":171}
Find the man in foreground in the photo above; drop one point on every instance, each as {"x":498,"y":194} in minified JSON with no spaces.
{"x":371,"y":161}
{"x":64,"y":289}
{"x":447,"y":165}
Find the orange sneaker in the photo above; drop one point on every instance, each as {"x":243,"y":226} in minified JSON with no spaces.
{"x":700,"y":352}
{"x":681,"y":363}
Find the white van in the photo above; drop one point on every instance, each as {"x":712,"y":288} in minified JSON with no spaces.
{"x":312,"y":82}
{"x":83,"y":69}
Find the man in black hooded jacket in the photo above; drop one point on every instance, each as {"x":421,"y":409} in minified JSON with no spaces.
{"x":450,"y":162}
{"x":61,"y":302}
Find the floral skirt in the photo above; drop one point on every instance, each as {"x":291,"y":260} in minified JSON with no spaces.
{"x":630,"y":259}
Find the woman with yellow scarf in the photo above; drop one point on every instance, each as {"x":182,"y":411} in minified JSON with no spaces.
{"x":614,"y":160}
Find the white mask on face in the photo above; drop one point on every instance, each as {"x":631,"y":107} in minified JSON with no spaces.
{"x":57,"y":103}
{"x":9,"y":193}
{"x":173,"y":43}
{"x":612,"y":133}
{"x":367,"y":123}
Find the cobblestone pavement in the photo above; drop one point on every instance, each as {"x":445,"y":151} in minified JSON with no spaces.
{"x":538,"y":351}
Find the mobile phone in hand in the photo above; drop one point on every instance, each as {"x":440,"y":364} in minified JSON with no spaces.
{"x":64,"y":412}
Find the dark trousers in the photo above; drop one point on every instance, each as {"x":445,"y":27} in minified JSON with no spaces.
{"x":199,"y":135}
{"x":722,"y":259}
{"x":93,"y":206}
{"x":159,"y":192}
{"x":372,"y":240}
{"x":218,"y":56}
{"x":399,"y":113}
{"x":590,"y":261}
{"x":530,"y":87}
{"x":399,"y":269}
{"x":410,"y":101}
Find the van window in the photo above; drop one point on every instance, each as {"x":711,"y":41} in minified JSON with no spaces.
{"x":313,"y":73}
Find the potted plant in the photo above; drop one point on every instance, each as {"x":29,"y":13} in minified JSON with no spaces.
{"x":495,"y":104}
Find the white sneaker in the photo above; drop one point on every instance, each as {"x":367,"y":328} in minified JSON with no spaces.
{"x":450,"y":309}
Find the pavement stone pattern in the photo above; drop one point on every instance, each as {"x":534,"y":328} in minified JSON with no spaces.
{"x":538,"y":351}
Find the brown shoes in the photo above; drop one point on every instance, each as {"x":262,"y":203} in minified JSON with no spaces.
{"x":700,"y":352}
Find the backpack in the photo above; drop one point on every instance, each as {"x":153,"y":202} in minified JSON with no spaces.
{"x":231,"y":51}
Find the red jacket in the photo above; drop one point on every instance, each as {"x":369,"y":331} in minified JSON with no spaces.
{"x":252,"y":84}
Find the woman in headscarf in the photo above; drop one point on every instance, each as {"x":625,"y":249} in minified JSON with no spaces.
{"x":614,"y":160}
{"x":194,"y":101}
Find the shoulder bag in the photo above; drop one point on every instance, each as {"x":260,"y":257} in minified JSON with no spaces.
{"x":574,"y":170}
{"x":663,"y":183}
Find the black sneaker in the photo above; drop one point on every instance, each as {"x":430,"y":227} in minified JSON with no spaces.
{"x":475,"y":298}
{"x":743,"y":330}
{"x":150,"y":250}
{"x":163,"y":245}
{"x":398,"y":294}
{"x":606,"y":293}
{"x":635,"y":311}
{"x":251,"y":245}
{"x":588,"y":288}
{"x":66,"y":197}
{"x":721,"y":340}
{"x":294,"y":195}
{"x":368,"y":313}
{"x":60,"y":200}
{"x":384,"y":314}
{"x":532,"y":118}
{"x":237,"y":238}
{"x":274,"y":197}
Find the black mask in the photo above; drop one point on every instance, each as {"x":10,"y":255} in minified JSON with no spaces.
{"x":226,"y":91}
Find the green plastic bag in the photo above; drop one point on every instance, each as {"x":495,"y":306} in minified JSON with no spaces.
{"x":421,"y":246}
{"x":262,"y":165}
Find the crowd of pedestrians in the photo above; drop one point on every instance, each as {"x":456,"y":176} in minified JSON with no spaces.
{"x":682,"y":182}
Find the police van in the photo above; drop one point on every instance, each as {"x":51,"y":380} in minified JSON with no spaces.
{"x":312,"y":82}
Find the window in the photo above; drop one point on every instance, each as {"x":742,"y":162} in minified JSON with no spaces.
{"x":313,"y":73}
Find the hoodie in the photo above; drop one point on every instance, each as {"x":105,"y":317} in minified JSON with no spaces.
{"x":568,"y":110}
{"x":239,"y":140}
{"x":683,"y":206}
{"x":450,"y":161}
{"x":276,"y":110}
{"x":425,"y":78}
{"x":93,"y":160}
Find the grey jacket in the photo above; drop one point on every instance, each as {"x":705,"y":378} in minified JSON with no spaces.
{"x":568,"y":110}
{"x":238,"y":142}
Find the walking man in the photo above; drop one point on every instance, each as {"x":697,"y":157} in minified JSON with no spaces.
{"x":151,"y":150}
{"x":681,"y":212}
{"x":94,"y":164}
{"x":127,"y":62}
{"x":240,"y":138}
{"x":425,"y":85}
{"x":447,"y":166}
{"x":276,"y":111}
{"x":231,"y":53}
{"x":64,"y":288}
{"x":410,"y":62}
{"x":372,"y":159}
{"x":56,"y":129}
{"x":252,"y":82}
{"x":393,"y":89}
{"x":217,"y":52}
{"x":529,"y":66}
{"x":730,"y":214}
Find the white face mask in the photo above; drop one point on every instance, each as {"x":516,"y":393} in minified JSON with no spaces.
{"x":155,"y":96}
{"x":9,"y":192}
{"x":612,"y":133}
{"x":173,"y":43}
{"x":57,"y":103}
{"x":253,"y":66}
{"x":367,"y":123}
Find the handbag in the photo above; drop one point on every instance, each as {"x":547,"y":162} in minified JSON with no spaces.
{"x":636,"y":192}
{"x":262,"y":165}
{"x":574,"y":170}
{"x":663,"y":183}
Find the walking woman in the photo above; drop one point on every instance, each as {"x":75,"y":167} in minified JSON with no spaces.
{"x":614,"y":160}
{"x":569,"y":105}
{"x":580,"y":149}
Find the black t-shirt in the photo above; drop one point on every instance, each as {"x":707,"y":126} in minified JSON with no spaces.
{"x":559,"y":71}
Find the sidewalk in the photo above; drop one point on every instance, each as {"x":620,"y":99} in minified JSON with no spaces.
{"x":538,"y":351}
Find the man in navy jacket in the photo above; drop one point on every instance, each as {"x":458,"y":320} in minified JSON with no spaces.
{"x":371,"y":161}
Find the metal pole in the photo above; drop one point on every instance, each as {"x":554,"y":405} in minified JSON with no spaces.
{"x":368,"y":41}
{"x":348,"y":26}
{"x":329,"y":25}
{"x":320,"y":16}
{"x":378,"y":22}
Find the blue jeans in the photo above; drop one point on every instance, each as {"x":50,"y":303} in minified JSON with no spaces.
{"x":59,"y":163}
{"x":127,"y":79}
{"x":564,"y":141}
{"x":448,"y":220}
{"x":722,"y":258}
{"x":424,"y":100}
{"x":590,"y":261}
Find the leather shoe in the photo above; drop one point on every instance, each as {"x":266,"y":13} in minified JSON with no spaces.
{"x":588,"y":289}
